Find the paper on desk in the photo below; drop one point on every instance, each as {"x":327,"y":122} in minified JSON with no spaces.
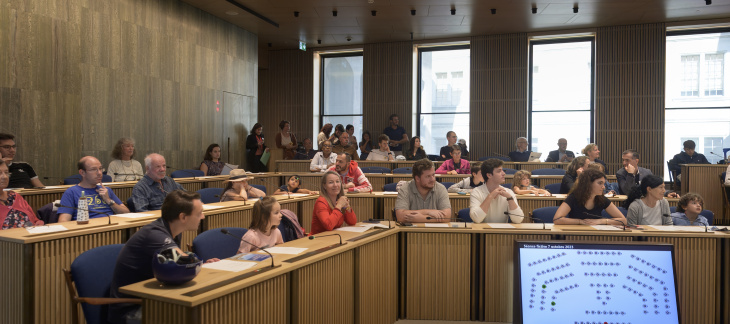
{"x":437,"y":225}
{"x":134,"y":215}
{"x":374,"y":225}
{"x":535,"y":225}
{"x":606,"y":227}
{"x":354,"y":229}
{"x":208,"y":207}
{"x":500,"y":225}
{"x":46,"y":229}
{"x":390,"y":192}
{"x":229,"y":265}
{"x":670,"y":228}
{"x":296,"y":195}
{"x":284,"y":250}
{"x":52,"y":187}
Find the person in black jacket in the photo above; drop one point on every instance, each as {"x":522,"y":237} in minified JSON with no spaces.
{"x":255,"y":148}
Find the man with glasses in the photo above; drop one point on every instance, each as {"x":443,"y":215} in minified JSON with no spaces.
{"x":22,"y":174}
{"x":150,"y":192}
{"x":100,"y":201}
{"x":323,"y":160}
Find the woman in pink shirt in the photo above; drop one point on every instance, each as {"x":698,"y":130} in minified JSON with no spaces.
{"x":263,"y":231}
{"x":455,"y":165}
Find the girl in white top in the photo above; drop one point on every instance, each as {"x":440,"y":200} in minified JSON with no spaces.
{"x":646,"y":204}
{"x":123,"y":168}
{"x":263,"y":230}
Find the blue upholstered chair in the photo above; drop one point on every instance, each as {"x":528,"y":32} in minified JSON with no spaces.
{"x":375,"y":169}
{"x":187,"y":173}
{"x":214,"y":244}
{"x":260,"y":187}
{"x":545,"y":214}
{"x":554,"y":188}
{"x":447,"y":184}
{"x":390,"y":186}
{"x":463,"y":214}
{"x":548,"y":172}
{"x":72,"y":180}
{"x":509,"y":170}
{"x":210,"y":195}
{"x":88,"y":283}
{"x":503,"y":158}
{"x":403,"y":170}
{"x":706,"y":213}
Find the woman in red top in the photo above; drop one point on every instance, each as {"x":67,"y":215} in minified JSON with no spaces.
{"x":14,"y":210}
{"x":332,"y":208}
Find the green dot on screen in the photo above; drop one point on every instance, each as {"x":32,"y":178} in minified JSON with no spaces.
{"x":544,"y":286}
{"x":553,"y":303}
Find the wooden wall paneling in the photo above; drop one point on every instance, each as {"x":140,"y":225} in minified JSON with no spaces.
{"x":271,"y":306}
{"x":154,"y":311}
{"x":498,"y":96}
{"x":377,"y":262}
{"x":499,"y":274}
{"x":324,"y":292}
{"x":15,"y":265}
{"x":629,"y":108}
{"x":697,"y":295}
{"x":387,"y":86}
{"x":82,"y":74}
{"x":437,"y":276}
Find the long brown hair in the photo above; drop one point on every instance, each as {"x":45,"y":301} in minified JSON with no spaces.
{"x":323,"y":191}
{"x":261,"y":214}
{"x":117,"y":151}
{"x":582,"y":189}
{"x":576,"y":164}
{"x":517,"y":178}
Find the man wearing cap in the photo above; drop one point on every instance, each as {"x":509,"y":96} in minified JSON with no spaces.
{"x":181,"y":211}
{"x":100,"y":201}
{"x":150,"y":192}
{"x":238,"y":188}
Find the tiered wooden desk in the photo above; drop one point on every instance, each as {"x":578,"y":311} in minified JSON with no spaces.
{"x":303,"y":165}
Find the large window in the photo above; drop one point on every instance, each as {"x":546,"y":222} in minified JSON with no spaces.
{"x":696,"y":106}
{"x":561,"y":93}
{"x":443,"y":95}
{"x":341,"y":91}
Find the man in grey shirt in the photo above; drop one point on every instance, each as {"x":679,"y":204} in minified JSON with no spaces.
{"x":423,"y":200}
{"x":150,"y":191}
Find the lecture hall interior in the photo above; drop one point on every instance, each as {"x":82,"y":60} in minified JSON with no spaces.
{"x":178,"y":75}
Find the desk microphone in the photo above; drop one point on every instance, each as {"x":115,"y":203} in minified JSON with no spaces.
{"x":511,"y":214}
{"x":318,"y":236}
{"x":694,"y":221}
{"x":87,"y":210}
{"x":225,"y":231}
{"x":530,"y":217}
{"x":458,"y":220}
{"x":182,"y":170}
{"x":613,"y":219}
{"x":49,"y":178}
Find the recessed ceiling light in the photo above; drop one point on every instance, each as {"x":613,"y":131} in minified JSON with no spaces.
{"x":231,"y":13}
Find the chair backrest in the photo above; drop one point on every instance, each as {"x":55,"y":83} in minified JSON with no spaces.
{"x":509,"y":170}
{"x":210,"y":195}
{"x":390,"y":186}
{"x":554,"y":188}
{"x":260,"y":187}
{"x":463,"y":214}
{"x":289,"y":226}
{"x":623,"y":211}
{"x":433,"y":157}
{"x":72,"y":180}
{"x":447,"y":184}
{"x":503,"y":158}
{"x":507,"y":185}
{"x":46,"y":214}
{"x":375,"y":169}
{"x":545,"y":214}
{"x":130,"y":205}
{"x":92,"y":273}
{"x":403,"y":170}
{"x":214,"y":244}
{"x":709,"y":215}
{"x":106,"y":178}
{"x":187,"y":173}
{"x":548,"y":172}
{"x":671,"y":173}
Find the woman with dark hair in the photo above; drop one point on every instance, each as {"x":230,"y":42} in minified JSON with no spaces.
{"x":123,"y":167}
{"x":255,"y":148}
{"x":286,"y":141}
{"x":212,"y":164}
{"x":586,"y":202}
{"x":352,"y":140}
{"x":324,"y":134}
{"x":575,"y":168}
{"x":415,"y":150}
{"x":646,"y":204}
{"x":366,"y":145}
{"x":335,"y":138}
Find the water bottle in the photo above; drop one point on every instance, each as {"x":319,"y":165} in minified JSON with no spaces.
{"x":82,"y":214}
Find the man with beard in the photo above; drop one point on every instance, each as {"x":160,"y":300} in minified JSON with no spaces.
{"x":353,"y":180}
{"x":423,"y":200}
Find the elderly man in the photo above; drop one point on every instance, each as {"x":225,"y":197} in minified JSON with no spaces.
{"x":561,"y":154}
{"x":423,"y":200}
{"x":343,"y":147}
{"x":353,"y":180}
{"x":22,"y":174}
{"x":100,"y":201}
{"x":522,"y":154}
{"x":150,"y":192}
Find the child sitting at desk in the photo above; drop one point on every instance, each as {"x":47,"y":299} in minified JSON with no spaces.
{"x":521,"y":185}
{"x":468,"y":184}
{"x":263,"y":231}
{"x":292,"y":186}
{"x":688,"y":211}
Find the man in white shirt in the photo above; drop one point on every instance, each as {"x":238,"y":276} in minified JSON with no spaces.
{"x":323,"y":160}
{"x":492,"y":203}
{"x":383,"y":153}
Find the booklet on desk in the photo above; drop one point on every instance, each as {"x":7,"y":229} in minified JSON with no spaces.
{"x":250,"y":256}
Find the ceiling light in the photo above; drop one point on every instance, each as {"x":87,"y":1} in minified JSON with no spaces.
{"x":231,"y":13}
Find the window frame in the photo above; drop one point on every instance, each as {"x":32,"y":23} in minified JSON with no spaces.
{"x":322,"y":115}
{"x":421,"y":50}
{"x":592,"y":40}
